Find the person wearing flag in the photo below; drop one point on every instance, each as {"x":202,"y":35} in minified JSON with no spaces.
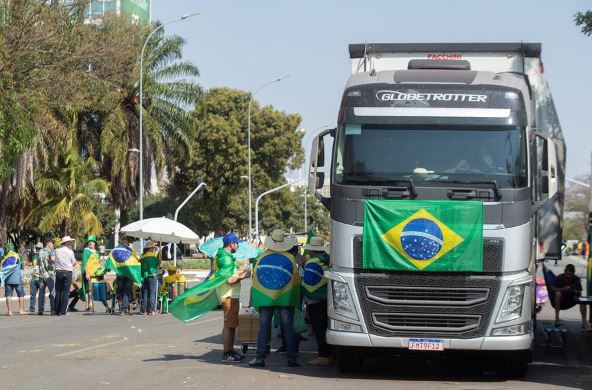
{"x":228,"y":294}
{"x":64,"y":266}
{"x":150,"y":262}
{"x":85,"y":288}
{"x":10,"y":278}
{"x":276,"y":285}
{"x":314,"y":289}
{"x":95,"y":273}
{"x":124,"y":261}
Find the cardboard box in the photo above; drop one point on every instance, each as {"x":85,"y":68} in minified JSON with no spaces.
{"x":248,"y":325}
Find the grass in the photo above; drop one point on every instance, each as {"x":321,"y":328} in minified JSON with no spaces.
{"x":189,"y":263}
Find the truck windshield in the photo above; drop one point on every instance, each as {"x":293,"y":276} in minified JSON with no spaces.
{"x":380,"y":155}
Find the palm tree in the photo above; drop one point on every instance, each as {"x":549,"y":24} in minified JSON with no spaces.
{"x":68,"y":195}
{"x":166,"y":97}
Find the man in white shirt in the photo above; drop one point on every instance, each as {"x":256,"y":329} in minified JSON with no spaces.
{"x":64,"y":264}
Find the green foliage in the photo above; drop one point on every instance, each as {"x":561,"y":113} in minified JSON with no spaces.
{"x":69,"y":194}
{"x":188,"y":263}
{"x":577,"y":200}
{"x":155,"y":205}
{"x":317,"y":214}
{"x":220,"y":159}
{"x":584,"y":20}
{"x":107,"y":218}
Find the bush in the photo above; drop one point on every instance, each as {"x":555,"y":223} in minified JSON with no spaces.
{"x":189,"y":263}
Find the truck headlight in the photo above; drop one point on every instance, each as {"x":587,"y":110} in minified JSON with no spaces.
{"x":511,"y":308}
{"x":342,"y":301}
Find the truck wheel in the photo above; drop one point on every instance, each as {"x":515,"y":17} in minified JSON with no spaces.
{"x":516,"y":363}
{"x":349,"y":360}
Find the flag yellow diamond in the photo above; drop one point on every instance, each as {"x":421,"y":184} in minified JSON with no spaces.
{"x":422,"y":239}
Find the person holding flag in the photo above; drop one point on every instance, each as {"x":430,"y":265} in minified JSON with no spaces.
{"x":124,"y":261}
{"x":276,"y":286}
{"x":150,"y":262}
{"x":314,"y":289}
{"x":95,"y":273}
{"x":221,"y":288}
{"x":10,"y":278}
{"x":85,"y":288}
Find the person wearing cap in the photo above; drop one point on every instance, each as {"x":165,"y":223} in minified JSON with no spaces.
{"x":314,"y":290}
{"x":149,"y":267}
{"x":35,"y":282}
{"x":12,"y":280}
{"x":46,"y":276}
{"x":64,"y":265}
{"x":276,"y":286}
{"x":228,"y":295}
{"x":89,"y":252}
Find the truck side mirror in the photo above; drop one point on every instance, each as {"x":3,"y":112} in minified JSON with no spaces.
{"x":320,"y":180}
{"x":317,"y":172}
{"x":551,"y":165}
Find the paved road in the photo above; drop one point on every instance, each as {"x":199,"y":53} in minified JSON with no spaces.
{"x":102,"y":351}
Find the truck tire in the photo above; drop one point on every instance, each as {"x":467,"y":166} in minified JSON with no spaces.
{"x":349,"y":360}
{"x":515,"y":363}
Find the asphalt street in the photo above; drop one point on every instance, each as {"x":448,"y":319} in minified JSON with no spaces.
{"x":82,"y":351}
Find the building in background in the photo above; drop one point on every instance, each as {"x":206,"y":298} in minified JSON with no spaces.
{"x":138,"y":10}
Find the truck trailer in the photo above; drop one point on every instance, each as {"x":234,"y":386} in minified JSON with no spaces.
{"x":444,"y":180}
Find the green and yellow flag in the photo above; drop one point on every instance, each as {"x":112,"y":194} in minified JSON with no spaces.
{"x":445,"y":236}
{"x":275,"y":280}
{"x":124,"y":262}
{"x":202,"y":298}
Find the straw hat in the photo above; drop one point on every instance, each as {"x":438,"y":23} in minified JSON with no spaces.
{"x":278,"y":242}
{"x":171,"y":267}
{"x":66,"y":239}
{"x":39,"y":245}
{"x":317,"y":244}
{"x":150,"y":244}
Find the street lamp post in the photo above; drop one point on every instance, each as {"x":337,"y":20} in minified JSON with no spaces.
{"x":141,"y":157}
{"x":200,"y":185}
{"x":261,"y":196}
{"x":249,"y":147}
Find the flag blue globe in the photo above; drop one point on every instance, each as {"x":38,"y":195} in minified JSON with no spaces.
{"x":421,"y":239}
{"x":313,"y":274}
{"x":274,"y":271}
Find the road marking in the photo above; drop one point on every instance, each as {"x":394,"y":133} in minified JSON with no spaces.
{"x":21,"y":324}
{"x":89,"y":348}
{"x":205,"y":321}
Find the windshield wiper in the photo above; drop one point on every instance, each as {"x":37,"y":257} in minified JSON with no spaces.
{"x":383,"y":181}
{"x":492,"y":183}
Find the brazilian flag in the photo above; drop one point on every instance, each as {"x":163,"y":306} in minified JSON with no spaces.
{"x":87,"y":254}
{"x":9,"y":263}
{"x":314,"y":282}
{"x":200,"y":299}
{"x":275,"y":280}
{"x":125,"y":263}
{"x":445,"y":236}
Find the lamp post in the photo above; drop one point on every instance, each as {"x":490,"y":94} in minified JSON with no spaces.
{"x":277,"y":80}
{"x":261,"y":196}
{"x":200,"y":185}
{"x":141,"y":198}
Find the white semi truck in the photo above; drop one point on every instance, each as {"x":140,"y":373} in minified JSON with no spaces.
{"x":426,"y":129}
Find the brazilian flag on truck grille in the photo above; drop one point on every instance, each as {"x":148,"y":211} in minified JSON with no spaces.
{"x":441,"y":236}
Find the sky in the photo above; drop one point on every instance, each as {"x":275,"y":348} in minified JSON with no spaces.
{"x":246,"y":43}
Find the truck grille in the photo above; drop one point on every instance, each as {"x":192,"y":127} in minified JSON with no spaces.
{"x":426,"y":295}
{"x":426,"y":322}
{"x":411,"y":304}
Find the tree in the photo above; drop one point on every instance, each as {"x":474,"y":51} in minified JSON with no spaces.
{"x":584,"y":20}
{"x":317,"y":214}
{"x":69,"y":195}
{"x":577,"y":199}
{"x":220,"y":159}
{"x":54,"y":69}
{"x":166,"y":97}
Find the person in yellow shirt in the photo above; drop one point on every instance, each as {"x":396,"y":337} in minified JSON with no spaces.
{"x":95,"y":271}
{"x":173,"y":277}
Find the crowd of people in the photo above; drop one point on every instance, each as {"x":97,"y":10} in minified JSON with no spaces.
{"x":52,"y":270}
{"x":285,"y":281}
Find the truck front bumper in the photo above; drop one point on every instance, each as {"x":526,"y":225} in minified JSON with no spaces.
{"x":497,"y":343}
